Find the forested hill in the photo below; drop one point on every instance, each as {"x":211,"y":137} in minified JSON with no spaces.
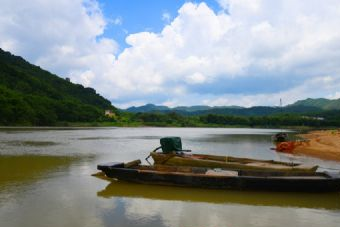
{"x":306,"y":106}
{"x":322,"y":103}
{"x":30,"y":95}
{"x":227,"y":110}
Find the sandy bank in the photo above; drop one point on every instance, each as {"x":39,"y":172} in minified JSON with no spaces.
{"x":321,"y":144}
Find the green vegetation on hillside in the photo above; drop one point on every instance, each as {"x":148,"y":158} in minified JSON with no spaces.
{"x":32,"y":96}
{"x":327,"y":119}
{"x":304,"y":108}
{"x":321,"y":103}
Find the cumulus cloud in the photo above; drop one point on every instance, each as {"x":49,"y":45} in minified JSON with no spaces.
{"x":166,"y":17}
{"x":252,"y":52}
{"x":117,"y":21}
{"x":145,"y":210}
{"x":62,"y":36}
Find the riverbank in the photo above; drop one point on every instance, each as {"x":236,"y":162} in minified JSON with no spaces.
{"x":323,"y":144}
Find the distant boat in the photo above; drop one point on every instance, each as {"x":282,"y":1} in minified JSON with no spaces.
{"x":280,"y":137}
{"x":221,"y":178}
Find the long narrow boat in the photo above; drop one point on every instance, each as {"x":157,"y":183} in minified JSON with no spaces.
{"x":221,"y":178}
{"x":228,"y":162}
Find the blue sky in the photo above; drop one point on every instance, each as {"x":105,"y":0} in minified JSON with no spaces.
{"x":128,"y":17}
{"x":172,"y":52}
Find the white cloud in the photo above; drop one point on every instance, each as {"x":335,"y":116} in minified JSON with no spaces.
{"x":313,"y":88}
{"x":224,"y":4}
{"x":62,"y":36}
{"x":336,"y":95}
{"x":196,"y":78}
{"x":117,"y":21}
{"x":257,"y":52}
{"x":210,"y":214}
{"x":166,"y":17}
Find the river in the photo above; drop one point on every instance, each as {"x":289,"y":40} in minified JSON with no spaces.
{"x":45,"y":180}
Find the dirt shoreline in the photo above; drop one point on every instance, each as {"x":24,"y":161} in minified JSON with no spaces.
{"x":323,"y":144}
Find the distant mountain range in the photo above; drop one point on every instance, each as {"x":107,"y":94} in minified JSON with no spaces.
{"x":300,"y":107}
{"x":190,"y":109}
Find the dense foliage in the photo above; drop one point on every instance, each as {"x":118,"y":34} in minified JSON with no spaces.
{"x":327,"y":119}
{"x":32,"y":96}
{"x":322,"y":103}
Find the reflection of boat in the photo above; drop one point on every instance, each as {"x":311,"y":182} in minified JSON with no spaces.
{"x":329,"y":201}
{"x":172,"y":155}
{"x":286,"y":147}
{"x":221,"y":178}
{"x":228,"y":162}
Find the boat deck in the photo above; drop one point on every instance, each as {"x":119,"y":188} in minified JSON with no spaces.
{"x":218,"y":172}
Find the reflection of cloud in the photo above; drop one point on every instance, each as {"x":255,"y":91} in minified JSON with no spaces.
{"x":174,"y":214}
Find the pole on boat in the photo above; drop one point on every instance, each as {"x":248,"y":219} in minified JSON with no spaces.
{"x":147,"y":158}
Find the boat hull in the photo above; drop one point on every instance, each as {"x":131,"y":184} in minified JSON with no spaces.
{"x":320,"y":182}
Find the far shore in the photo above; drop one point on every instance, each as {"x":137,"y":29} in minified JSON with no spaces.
{"x":323,"y":144}
{"x":157,"y":125}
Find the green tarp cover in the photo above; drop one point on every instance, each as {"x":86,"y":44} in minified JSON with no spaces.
{"x":170,"y":144}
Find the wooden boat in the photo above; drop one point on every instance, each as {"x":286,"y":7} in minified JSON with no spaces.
{"x":227,"y":162}
{"x":221,"y":178}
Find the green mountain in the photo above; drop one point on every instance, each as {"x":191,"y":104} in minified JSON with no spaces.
{"x":147,"y":108}
{"x":186,"y":110}
{"x":322,"y":103}
{"x":225,"y":110}
{"x":307,"y":106}
{"x":193,"y":109}
{"x":30,"y":95}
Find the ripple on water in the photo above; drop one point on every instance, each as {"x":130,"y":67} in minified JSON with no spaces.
{"x":31,"y":143}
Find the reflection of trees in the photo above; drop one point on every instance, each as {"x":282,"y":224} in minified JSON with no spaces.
{"x":27,"y":168}
{"x":236,"y":138}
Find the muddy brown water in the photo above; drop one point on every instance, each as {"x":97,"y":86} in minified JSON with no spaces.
{"x":45,"y":180}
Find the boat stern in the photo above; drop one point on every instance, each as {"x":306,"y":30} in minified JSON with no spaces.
{"x":110,"y":165}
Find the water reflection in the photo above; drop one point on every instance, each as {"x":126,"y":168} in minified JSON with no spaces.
{"x":30,"y":143}
{"x":27,"y":168}
{"x":145,"y":212}
{"x":45,"y":181}
{"x":97,"y":138}
{"x":330,"y":201}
